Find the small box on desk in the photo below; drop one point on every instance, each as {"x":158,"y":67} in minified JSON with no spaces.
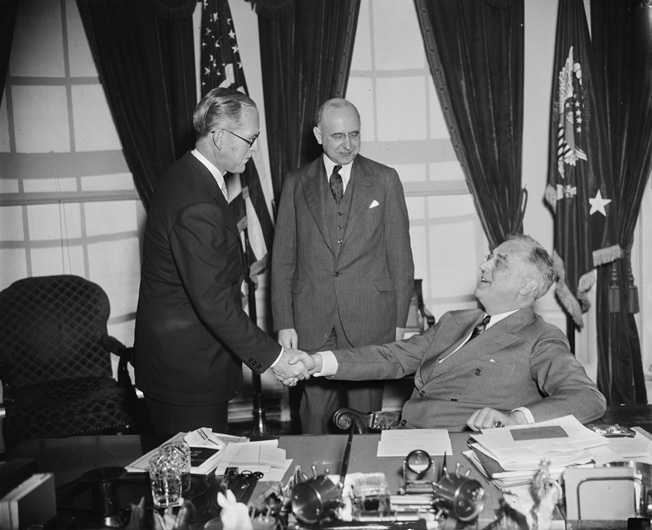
{"x":33,"y":501}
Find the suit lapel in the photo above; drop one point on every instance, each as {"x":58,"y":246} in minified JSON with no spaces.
{"x":312,"y":181}
{"x":452,"y":336}
{"x":362,"y":188}
{"x":493,"y":340}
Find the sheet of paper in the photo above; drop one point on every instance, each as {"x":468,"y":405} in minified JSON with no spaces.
{"x":400,"y":442}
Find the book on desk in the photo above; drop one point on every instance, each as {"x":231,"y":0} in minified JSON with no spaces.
{"x":33,"y":501}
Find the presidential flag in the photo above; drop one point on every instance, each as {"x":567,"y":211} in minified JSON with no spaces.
{"x":580,"y":182}
{"x":221,"y":67}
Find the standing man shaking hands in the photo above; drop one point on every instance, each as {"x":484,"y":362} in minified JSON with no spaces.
{"x":342,"y":269}
{"x":192,"y":334}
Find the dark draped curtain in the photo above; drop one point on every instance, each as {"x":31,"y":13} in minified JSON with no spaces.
{"x":305,"y":49}
{"x":143,"y":51}
{"x":475,"y":53}
{"x":622,"y":38}
{"x":8,"y":9}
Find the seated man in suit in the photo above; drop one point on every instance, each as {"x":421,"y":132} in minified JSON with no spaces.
{"x":469,"y":370}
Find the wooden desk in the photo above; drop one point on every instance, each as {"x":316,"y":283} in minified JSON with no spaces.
{"x":69,"y":458}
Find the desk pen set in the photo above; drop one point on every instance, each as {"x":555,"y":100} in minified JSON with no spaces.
{"x":363,"y":500}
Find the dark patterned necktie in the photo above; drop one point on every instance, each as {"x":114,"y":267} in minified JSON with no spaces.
{"x":337,"y":186}
{"x":480,"y":327}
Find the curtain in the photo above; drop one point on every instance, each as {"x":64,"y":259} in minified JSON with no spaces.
{"x":622,"y":38}
{"x":8,"y":11}
{"x":475,"y":52}
{"x":305,"y":48}
{"x":145,"y":58}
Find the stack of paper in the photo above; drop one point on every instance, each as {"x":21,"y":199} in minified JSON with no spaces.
{"x":512,"y":455}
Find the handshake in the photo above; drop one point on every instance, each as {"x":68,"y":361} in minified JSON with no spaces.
{"x":294,"y":365}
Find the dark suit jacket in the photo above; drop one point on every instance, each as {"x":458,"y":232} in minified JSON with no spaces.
{"x":191,"y":331}
{"x":370,"y":281}
{"x":522,"y":361}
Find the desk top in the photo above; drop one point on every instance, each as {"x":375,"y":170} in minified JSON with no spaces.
{"x":69,"y":458}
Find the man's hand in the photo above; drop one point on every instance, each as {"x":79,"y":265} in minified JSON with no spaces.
{"x":311,"y":362}
{"x":288,"y":338}
{"x":488,"y":418}
{"x":289,"y":373}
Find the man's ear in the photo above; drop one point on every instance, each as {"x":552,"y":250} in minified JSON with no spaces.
{"x":218,"y":136}
{"x":530,"y":286}
{"x":317,"y":133}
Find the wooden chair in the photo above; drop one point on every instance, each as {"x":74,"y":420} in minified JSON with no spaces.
{"x":55,"y":362}
{"x":419,"y":317}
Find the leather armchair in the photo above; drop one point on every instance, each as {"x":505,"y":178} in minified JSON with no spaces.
{"x":55,"y":362}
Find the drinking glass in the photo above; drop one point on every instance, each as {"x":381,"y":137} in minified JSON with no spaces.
{"x":165,"y":478}
{"x":183,"y":450}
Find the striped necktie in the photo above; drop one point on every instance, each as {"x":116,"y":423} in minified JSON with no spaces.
{"x":480,"y":327}
{"x":337,"y":186}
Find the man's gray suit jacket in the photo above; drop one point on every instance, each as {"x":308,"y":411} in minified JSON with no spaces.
{"x":522,"y":361}
{"x":369,"y":280}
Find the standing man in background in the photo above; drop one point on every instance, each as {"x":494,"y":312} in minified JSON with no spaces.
{"x":342,"y":269}
{"x":192,"y":334}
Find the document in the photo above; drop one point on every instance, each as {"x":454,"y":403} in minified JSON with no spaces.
{"x":401,"y":442}
{"x":563,"y":441}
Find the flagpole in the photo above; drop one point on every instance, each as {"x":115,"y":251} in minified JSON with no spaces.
{"x":260,"y":421}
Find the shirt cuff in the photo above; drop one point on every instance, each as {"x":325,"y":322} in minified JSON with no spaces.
{"x":278,"y":358}
{"x":528,"y":414}
{"x":328,"y":364}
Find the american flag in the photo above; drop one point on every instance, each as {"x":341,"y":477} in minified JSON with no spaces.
{"x":580,"y":182}
{"x":221,"y":67}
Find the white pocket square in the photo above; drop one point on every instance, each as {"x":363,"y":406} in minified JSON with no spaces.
{"x":373,"y":204}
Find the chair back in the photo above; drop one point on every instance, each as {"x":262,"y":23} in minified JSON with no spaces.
{"x":51,"y":329}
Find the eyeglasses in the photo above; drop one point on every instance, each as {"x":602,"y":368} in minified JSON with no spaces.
{"x":249,"y":141}
{"x":500,"y":262}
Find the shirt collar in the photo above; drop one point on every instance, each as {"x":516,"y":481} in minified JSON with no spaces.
{"x":500,"y":316}
{"x":345,"y":172}
{"x":219,"y":178}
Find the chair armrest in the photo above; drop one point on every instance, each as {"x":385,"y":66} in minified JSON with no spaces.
{"x":364,"y":423}
{"x":125,"y":356}
{"x":427,"y":316}
{"x":344,"y":418}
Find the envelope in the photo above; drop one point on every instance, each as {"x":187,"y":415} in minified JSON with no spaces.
{"x":373,"y":204}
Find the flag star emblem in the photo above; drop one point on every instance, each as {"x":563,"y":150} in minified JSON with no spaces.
{"x":598,"y":204}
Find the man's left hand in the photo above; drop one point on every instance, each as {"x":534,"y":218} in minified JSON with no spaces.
{"x":488,"y":418}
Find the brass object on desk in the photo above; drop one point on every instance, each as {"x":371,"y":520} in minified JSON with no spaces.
{"x":459,"y":496}
{"x":315,"y":498}
{"x":103,"y":486}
